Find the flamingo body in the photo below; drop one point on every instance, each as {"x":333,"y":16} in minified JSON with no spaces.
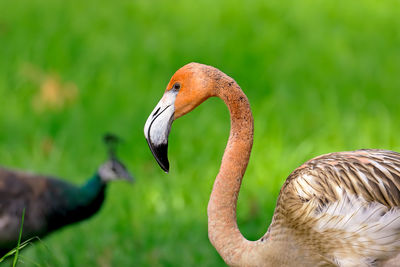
{"x":344,"y":206}
{"x":339,"y":209}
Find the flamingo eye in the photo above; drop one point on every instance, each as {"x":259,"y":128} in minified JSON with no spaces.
{"x":176,"y":86}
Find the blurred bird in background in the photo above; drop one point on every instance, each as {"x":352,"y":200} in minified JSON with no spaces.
{"x":51,"y":203}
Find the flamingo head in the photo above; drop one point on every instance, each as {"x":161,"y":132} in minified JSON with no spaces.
{"x":188,"y":88}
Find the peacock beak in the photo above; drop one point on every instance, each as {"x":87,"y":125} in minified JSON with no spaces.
{"x":122,"y":172}
{"x":125,"y":174}
{"x":129,"y":178}
{"x":158,"y":126}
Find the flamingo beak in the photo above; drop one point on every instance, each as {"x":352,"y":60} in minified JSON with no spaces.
{"x":158,"y":126}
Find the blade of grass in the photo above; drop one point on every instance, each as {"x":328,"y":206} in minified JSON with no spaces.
{"x":19,"y":245}
{"x":19,"y":239}
{"x":25,"y":260}
{"x":13,"y":251}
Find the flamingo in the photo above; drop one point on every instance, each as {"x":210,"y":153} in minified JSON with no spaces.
{"x":338,"y":209}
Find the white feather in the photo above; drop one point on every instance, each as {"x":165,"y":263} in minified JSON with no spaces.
{"x":304,"y":186}
{"x":369,"y":230}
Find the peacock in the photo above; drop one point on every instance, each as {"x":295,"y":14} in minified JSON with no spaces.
{"x":51,"y":203}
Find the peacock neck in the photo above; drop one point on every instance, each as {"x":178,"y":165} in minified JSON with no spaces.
{"x":78,"y":203}
{"x":223,"y":231}
{"x":92,"y":189}
{"x":89,"y":199}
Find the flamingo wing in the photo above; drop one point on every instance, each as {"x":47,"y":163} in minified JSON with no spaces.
{"x":344,"y":205}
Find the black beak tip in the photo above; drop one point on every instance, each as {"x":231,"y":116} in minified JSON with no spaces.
{"x":160,"y":153}
{"x":164,"y":167}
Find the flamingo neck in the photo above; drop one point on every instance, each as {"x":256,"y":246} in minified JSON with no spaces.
{"x":223,"y":231}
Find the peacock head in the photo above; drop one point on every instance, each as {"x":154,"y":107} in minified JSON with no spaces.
{"x":113,"y":169}
{"x":189,"y":87}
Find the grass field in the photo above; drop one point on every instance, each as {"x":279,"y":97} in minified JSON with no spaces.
{"x":320,"y":76}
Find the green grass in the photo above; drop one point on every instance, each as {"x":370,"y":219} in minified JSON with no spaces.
{"x":321,"y":77}
{"x":19,"y":239}
{"x":19,"y":245}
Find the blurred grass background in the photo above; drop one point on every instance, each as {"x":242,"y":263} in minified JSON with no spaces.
{"x":320,"y":76}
